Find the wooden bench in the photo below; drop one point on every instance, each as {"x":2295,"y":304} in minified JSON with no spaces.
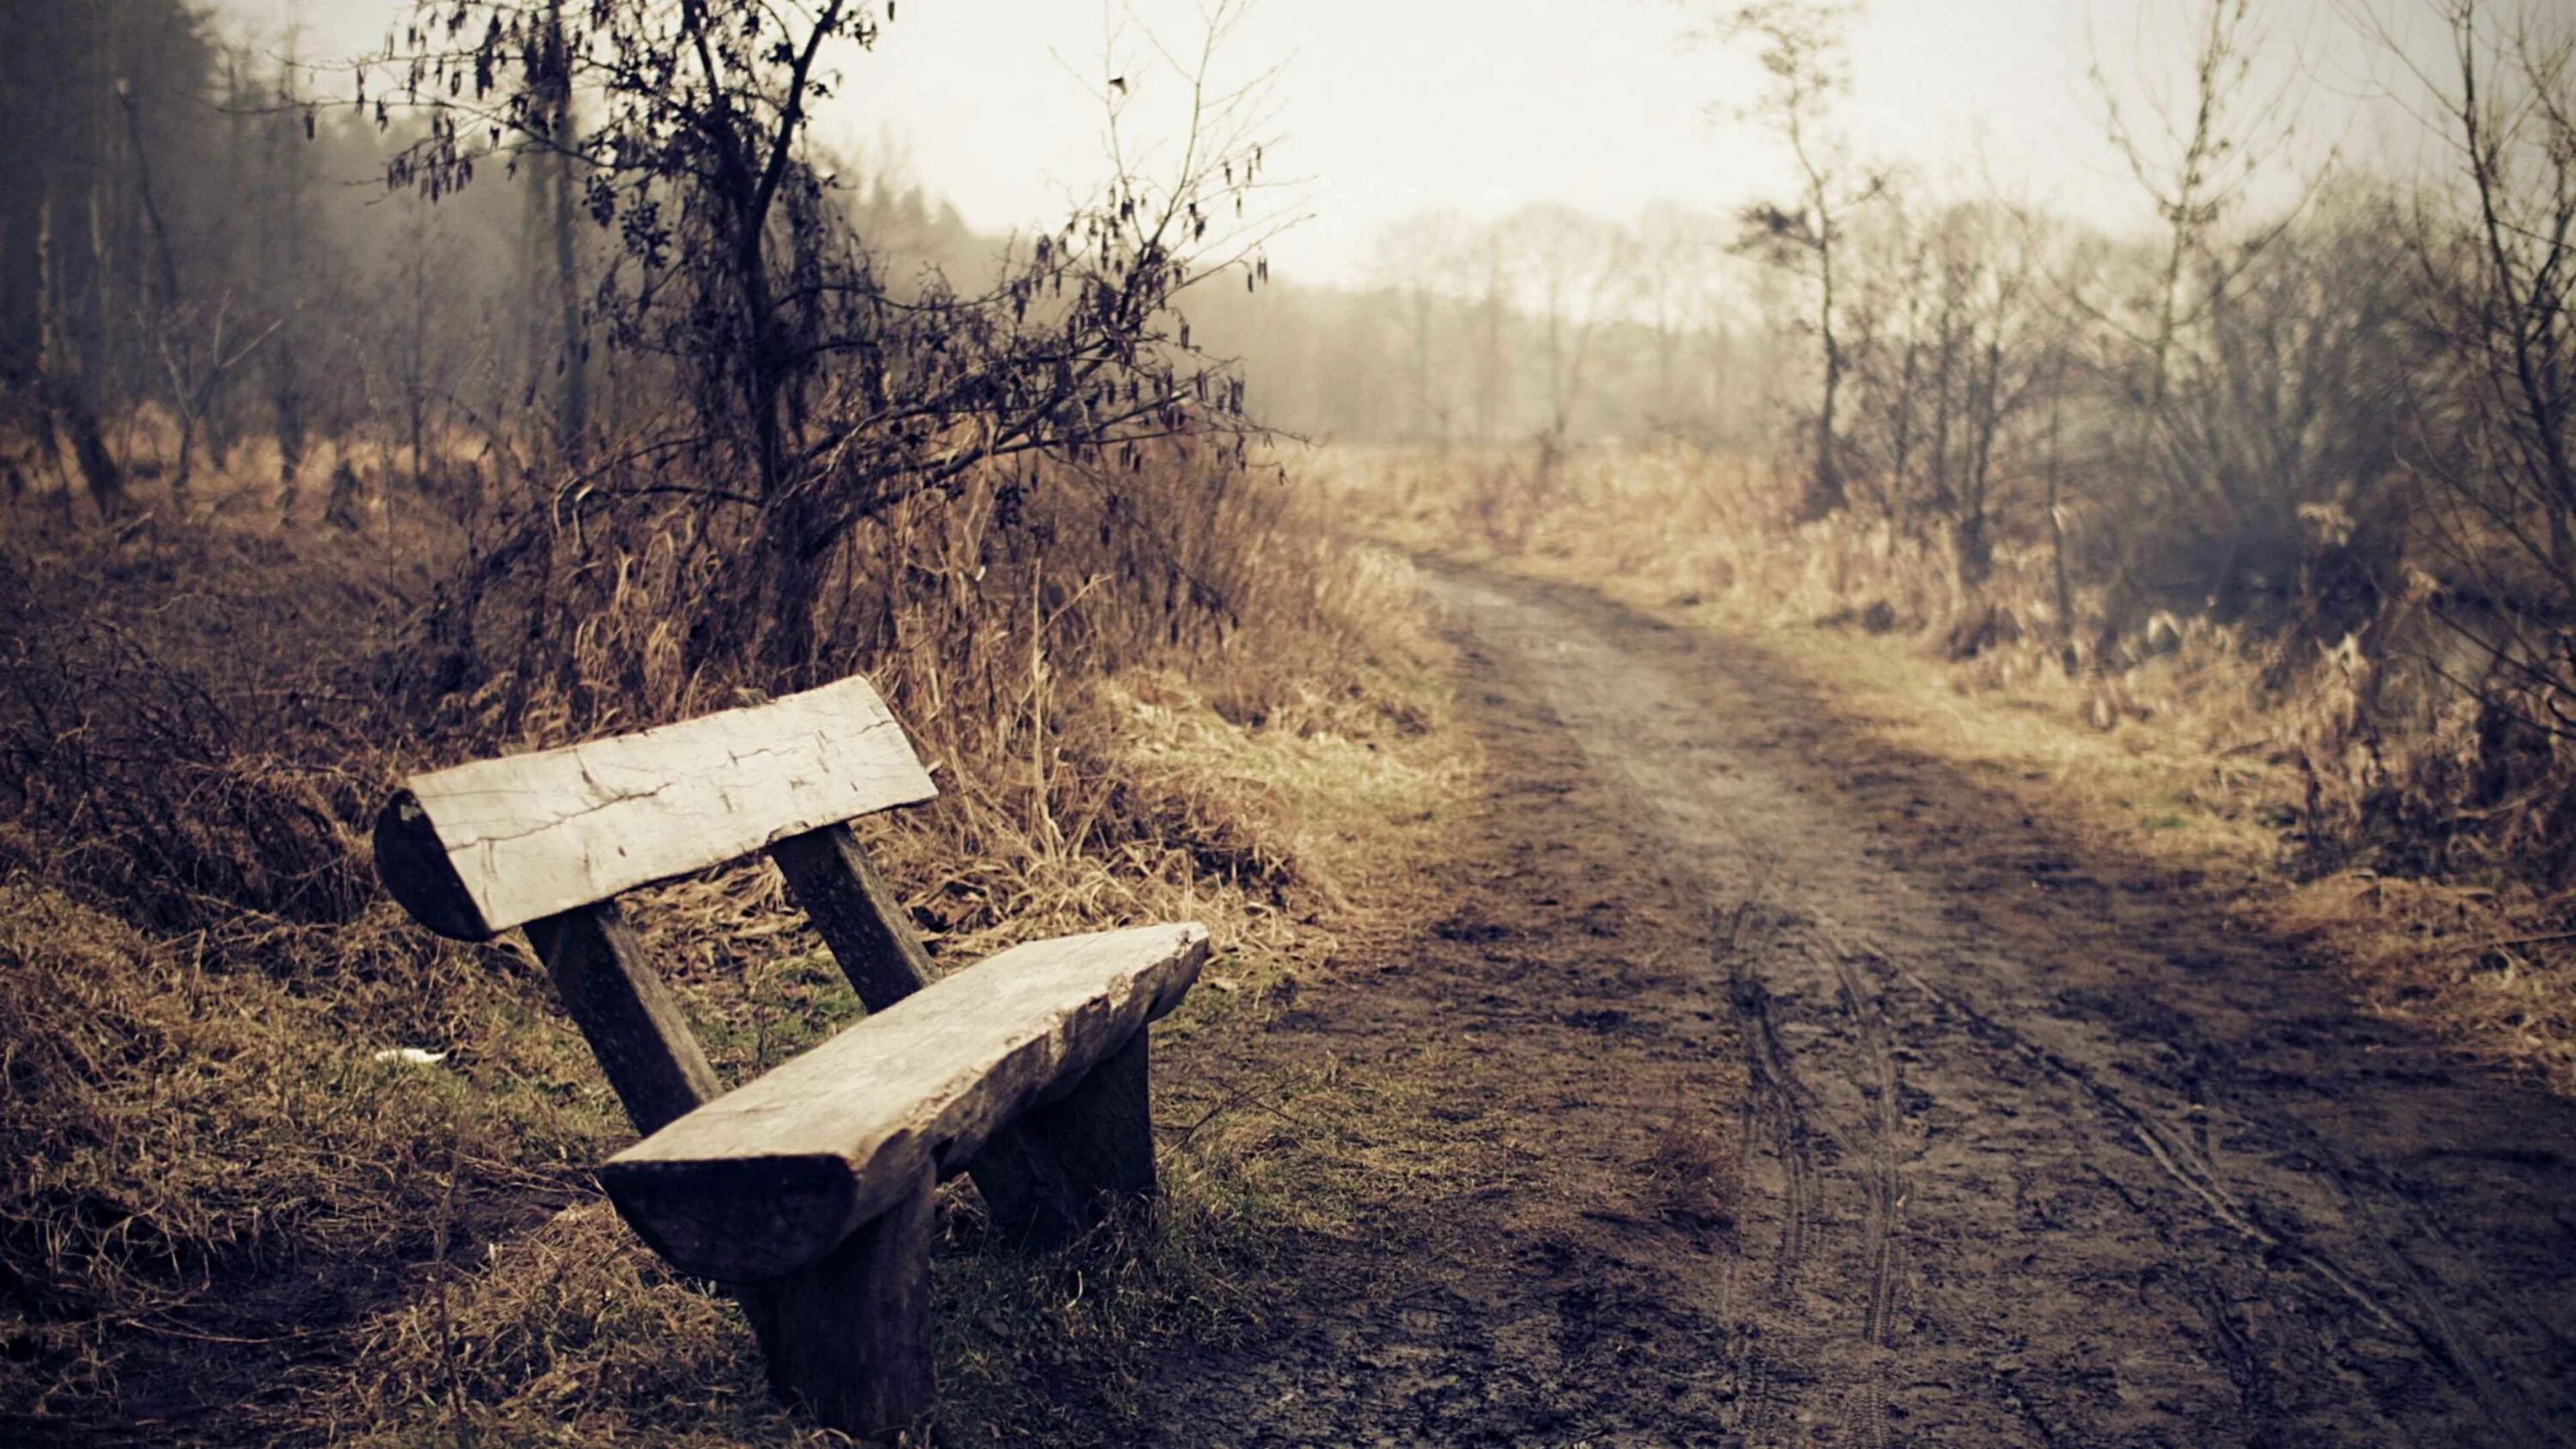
{"x":807,"y":1191}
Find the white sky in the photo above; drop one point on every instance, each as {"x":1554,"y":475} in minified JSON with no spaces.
{"x":1393,"y":106}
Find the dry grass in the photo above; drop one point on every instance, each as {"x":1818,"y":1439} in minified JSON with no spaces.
{"x":2491,"y":968}
{"x":1177,"y":697}
{"x":2333,"y":788}
{"x":1695,"y":1177}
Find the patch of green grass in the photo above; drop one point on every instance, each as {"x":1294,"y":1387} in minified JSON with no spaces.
{"x":775,"y":1010}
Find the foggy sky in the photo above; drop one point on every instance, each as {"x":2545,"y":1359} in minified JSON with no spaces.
{"x":1388,"y":107}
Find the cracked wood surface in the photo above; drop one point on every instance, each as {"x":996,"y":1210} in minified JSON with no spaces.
{"x":474,"y":850}
{"x":772,"y":1176}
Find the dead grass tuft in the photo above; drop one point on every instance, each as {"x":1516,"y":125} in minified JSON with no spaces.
{"x":179,"y":1129}
{"x":1694,"y":1177}
{"x":565,"y":1335}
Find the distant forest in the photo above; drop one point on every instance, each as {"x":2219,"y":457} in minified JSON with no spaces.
{"x":197,"y":224}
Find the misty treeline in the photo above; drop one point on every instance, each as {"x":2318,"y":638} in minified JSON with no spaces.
{"x":1544,"y":323}
{"x":578,"y":273}
{"x":539,"y":374}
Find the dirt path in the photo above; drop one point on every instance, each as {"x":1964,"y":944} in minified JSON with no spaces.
{"x":2037,"y":1148}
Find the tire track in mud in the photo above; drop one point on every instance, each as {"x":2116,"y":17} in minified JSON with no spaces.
{"x":2237,"y":1214}
{"x":1884,"y":1181}
{"x":1775,"y":1100}
{"x":1870,"y":1143}
{"x":2187,"y":1164}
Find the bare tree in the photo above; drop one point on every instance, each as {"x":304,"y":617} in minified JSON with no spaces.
{"x":1800,"y":44}
{"x":77,"y":274}
{"x":2202,"y":131}
{"x":198,"y":349}
{"x":2198,"y":156}
{"x":1415,"y":258}
{"x":1484,"y":273}
{"x":1987,"y":258}
{"x":821,"y":395}
{"x":1889,"y":361}
{"x":285,"y":244}
{"x":1673,"y":274}
{"x":1951,"y":351}
{"x":1567,"y":265}
{"x":2496,"y":256}
{"x":420,"y":273}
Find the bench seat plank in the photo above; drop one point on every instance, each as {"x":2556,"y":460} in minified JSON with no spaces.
{"x":474,"y":850}
{"x":769,"y":1178}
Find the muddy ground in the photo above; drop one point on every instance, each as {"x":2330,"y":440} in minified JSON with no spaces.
{"x":1806,"y":1091}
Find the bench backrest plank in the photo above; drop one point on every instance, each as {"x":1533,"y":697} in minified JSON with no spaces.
{"x":474,"y":850}
{"x":766,"y":1179}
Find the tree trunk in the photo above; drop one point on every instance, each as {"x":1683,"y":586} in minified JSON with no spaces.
{"x":2057,"y":544}
{"x":179,"y":496}
{"x":73,"y":411}
{"x":1489,"y":363}
{"x":572,"y":416}
{"x":1421,"y":363}
{"x":1901,"y":449}
{"x":284,"y":249}
{"x":1722,"y":405}
{"x":1666,"y":343}
{"x":1975,"y":548}
{"x":1556,"y":387}
{"x":1824,"y":493}
{"x":416,"y":355}
{"x":89,"y":441}
{"x":796,"y":574}
{"x":60,"y":386}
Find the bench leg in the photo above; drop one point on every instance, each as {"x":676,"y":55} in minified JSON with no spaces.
{"x":849,"y":1338}
{"x":1074,"y":1159}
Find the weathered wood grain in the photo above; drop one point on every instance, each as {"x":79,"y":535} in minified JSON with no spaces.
{"x":636,"y":1030}
{"x":849,"y":1337}
{"x":770,"y":1177}
{"x":482,"y":847}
